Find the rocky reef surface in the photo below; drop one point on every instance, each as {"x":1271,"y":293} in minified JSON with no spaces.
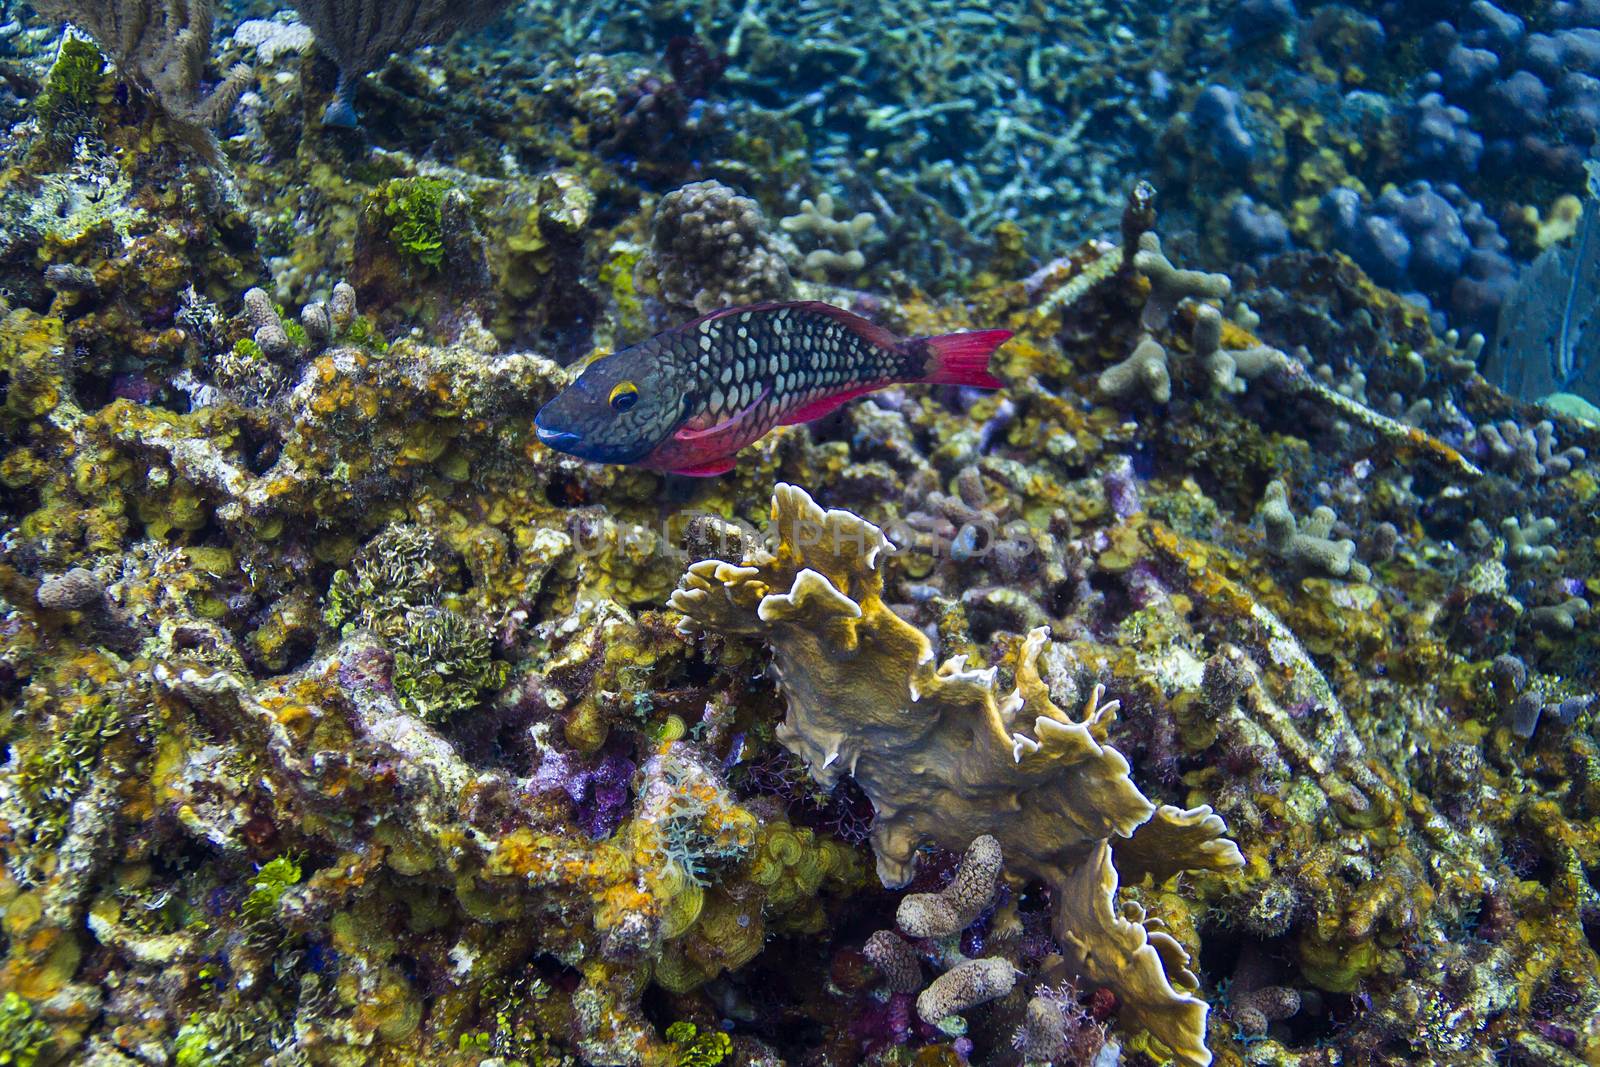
{"x":1221,"y":690}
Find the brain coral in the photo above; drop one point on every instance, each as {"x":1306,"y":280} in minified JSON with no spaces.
{"x":946,"y":757}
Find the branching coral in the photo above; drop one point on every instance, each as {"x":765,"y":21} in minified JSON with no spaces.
{"x":841,"y":243}
{"x":1305,"y":542}
{"x":1529,"y":454}
{"x":1170,"y":285}
{"x":945,"y":757}
{"x":163,"y":47}
{"x":1173,"y":292}
{"x":1146,"y":370}
{"x":361,"y":34}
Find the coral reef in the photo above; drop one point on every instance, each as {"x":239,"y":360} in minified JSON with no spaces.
{"x":345,"y":722}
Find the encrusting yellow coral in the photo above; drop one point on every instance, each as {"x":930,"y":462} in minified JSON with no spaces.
{"x":945,"y":758}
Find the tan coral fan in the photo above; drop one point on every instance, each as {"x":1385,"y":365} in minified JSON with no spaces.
{"x":945,"y":758}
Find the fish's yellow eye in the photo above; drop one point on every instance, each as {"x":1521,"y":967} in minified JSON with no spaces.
{"x":623,"y":396}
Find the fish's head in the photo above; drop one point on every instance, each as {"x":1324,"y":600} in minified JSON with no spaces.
{"x":617,"y":411}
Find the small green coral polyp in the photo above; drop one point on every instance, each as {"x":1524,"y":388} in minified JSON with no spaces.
{"x":274,"y":879}
{"x":72,"y":89}
{"x":443,"y":664}
{"x":413,"y":207}
{"x":23,"y":1037}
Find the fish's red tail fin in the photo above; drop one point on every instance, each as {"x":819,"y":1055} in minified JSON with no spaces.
{"x":963,"y":358}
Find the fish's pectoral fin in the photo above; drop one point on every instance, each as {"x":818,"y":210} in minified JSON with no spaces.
{"x":706,"y":470}
{"x":824,"y":406}
{"x":695,"y":430}
{"x":696,"y":425}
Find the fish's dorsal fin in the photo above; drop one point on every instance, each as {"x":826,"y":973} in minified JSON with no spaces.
{"x":862,"y":327}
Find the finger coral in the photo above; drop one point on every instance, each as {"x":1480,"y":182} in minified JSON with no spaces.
{"x":946,"y":756}
{"x":1305,"y":542}
{"x":839,"y":241}
{"x":952,"y":909}
{"x":1170,"y":284}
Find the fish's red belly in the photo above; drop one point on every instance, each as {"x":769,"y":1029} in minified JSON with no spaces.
{"x":673,"y":454}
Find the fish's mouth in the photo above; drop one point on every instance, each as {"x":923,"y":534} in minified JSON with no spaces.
{"x":559,"y":440}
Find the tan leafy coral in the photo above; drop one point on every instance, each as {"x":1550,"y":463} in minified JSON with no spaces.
{"x":945,"y":757}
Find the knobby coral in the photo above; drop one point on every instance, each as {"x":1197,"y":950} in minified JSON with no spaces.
{"x":946,"y":757}
{"x":711,"y":247}
{"x":965,"y":983}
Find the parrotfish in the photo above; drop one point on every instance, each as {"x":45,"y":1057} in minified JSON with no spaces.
{"x":687,"y":400}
